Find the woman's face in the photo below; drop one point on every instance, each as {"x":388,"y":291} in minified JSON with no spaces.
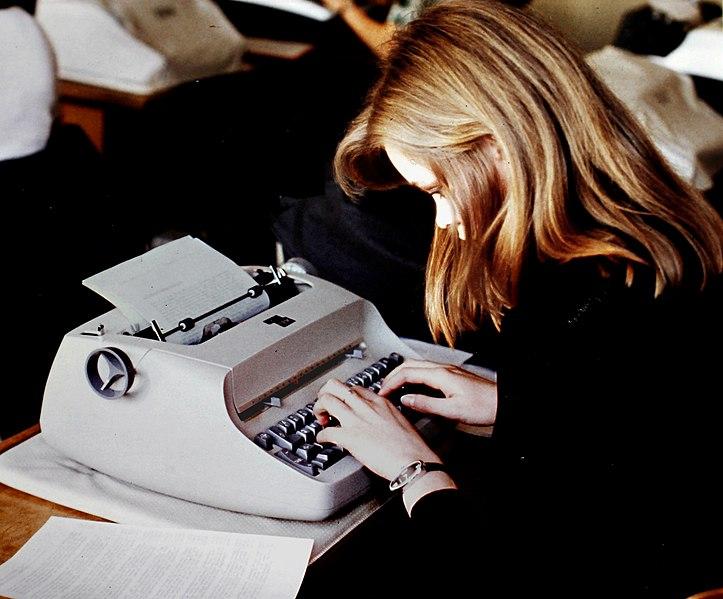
{"x":421,"y":176}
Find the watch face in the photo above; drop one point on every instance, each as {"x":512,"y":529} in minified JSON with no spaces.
{"x":406,"y":475}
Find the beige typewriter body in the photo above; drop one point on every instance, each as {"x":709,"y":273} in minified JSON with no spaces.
{"x":186,"y":425}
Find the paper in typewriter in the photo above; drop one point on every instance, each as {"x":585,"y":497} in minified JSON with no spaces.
{"x":185,"y":278}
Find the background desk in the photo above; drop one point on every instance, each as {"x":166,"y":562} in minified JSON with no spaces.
{"x":88,"y":105}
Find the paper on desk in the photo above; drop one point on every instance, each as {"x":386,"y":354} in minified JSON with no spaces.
{"x":79,"y":558}
{"x":697,"y":54}
{"x":287,"y":50}
{"x":181,"y":279}
{"x":687,"y":131}
{"x":305,"y":8}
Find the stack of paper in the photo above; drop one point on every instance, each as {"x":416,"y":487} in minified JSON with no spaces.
{"x":79,"y":558}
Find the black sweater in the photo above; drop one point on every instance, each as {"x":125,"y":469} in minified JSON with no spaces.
{"x":606,"y":451}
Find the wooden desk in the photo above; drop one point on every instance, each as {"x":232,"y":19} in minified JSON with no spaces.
{"x":21,"y":515}
{"x":86,"y":106}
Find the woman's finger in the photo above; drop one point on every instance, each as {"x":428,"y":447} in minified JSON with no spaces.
{"x":332,"y":434}
{"x":431,"y":405}
{"x":419,"y":363}
{"x":331,"y":405}
{"x":330,"y":386}
{"x":380,"y":406}
{"x":353,"y":397}
{"x":437,"y":377}
{"x":413,"y":363}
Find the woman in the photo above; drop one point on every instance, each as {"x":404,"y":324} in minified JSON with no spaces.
{"x":559,"y":221}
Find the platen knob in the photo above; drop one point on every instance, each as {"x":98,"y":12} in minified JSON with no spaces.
{"x":109,"y":372}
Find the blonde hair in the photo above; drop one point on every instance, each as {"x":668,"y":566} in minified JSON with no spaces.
{"x":582,"y":179}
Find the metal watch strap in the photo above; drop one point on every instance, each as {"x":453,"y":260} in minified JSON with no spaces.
{"x":412,"y":472}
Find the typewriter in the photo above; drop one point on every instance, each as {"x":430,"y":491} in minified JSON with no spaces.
{"x":227,"y":420}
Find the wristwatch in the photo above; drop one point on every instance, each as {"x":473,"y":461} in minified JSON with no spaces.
{"x":413,"y":471}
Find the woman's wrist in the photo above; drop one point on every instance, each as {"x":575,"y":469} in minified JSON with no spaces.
{"x":343,"y":6}
{"x":429,"y":482}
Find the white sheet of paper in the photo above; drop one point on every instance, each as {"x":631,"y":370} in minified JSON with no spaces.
{"x":305,"y":8}
{"x":184,"y":278}
{"x":79,"y":558}
{"x":448,"y":355}
{"x":697,"y":54}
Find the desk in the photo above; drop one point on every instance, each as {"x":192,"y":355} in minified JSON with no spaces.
{"x":88,"y":105}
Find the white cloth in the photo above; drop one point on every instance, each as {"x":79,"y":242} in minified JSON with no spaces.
{"x":687,"y":131}
{"x":27,"y":85}
{"x":678,"y":10}
{"x":36,"y":468}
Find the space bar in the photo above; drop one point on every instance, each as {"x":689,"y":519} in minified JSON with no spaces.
{"x":300,"y":464}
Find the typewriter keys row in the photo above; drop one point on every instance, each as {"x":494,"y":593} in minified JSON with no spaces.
{"x":372,"y":376}
{"x":293,"y":438}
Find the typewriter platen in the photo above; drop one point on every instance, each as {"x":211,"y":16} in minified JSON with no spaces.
{"x":226,"y":422}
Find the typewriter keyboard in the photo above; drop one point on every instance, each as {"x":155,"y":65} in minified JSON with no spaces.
{"x":293,"y":438}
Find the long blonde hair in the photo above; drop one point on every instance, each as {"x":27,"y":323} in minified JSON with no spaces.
{"x":582,"y":178}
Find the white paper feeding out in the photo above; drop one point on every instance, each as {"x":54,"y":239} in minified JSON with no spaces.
{"x":181,"y":279}
{"x":79,"y":558}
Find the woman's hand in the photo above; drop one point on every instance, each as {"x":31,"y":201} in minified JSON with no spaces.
{"x":338,"y":5}
{"x":468,"y":398}
{"x":372,"y":429}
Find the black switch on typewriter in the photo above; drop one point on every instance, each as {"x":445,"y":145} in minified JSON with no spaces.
{"x":278,"y":288}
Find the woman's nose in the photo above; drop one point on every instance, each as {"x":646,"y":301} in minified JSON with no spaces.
{"x":445,"y":215}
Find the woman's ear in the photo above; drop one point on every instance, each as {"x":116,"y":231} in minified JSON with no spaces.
{"x":498,"y":158}
{"x":495,"y":152}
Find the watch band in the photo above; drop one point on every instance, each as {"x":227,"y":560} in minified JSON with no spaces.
{"x":412,"y":472}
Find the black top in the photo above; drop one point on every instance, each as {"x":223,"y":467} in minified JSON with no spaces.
{"x":606,"y":449}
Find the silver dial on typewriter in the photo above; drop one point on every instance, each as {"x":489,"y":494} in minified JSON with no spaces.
{"x":109,"y":372}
